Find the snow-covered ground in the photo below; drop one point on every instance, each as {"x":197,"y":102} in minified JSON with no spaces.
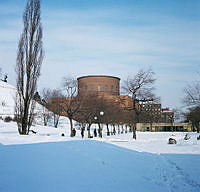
{"x":87,"y":166}
{"x":152,"y":142}
{"x":48,"y":162}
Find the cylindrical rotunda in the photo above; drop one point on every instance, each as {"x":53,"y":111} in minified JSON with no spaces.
{"x":98,"y":84}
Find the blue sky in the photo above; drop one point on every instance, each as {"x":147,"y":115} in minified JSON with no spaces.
{"x":111,"y":37}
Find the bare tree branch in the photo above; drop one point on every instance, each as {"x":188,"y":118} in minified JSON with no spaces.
{"x":139,"y":86}
{"x":192,"y":94}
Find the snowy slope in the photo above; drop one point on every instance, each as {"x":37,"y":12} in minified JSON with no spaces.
{"x":7,"y":102}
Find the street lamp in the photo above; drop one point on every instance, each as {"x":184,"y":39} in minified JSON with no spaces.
{"x":95,"y":118}
{"x":101,"y":113}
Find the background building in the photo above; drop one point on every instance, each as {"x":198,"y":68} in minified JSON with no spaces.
{"x":106,"y":87}
{"x":167,"y":115}
{"x":102,"y":93}
{"x":98,"y":84}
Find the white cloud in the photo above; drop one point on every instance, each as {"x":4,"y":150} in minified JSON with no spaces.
{"x":92,"y":42}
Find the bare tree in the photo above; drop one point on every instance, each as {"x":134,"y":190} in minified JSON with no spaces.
{"x":87,"y":111}
{"x":192,"y":101}
{"x":192,"y":95}
{"x":70,"y":102}
{"x":193,"y":115}
{"x":113,"y":115}
{"x":51,"y":102}
{"x":94,"y":109}
{"x":100,"y":107}
{"x":45,"y":113}
{"x":139,"y":86}
{"x":28,"y":64}
{"x":86,"y":116}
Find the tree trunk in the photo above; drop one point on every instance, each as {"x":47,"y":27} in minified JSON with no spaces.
{"x":130,"y":129}
{"x":71,"y":127}
{"x":198,"y":129}
{"x":122,"y":127}
{"x":56,"y":123}
{"x":108,"y":132}
{"x":118,"y":129}
{"x":88,"y":129}
{"x":55,"y":120}
{"x":99,"y":130}
{"x":114,"y":130}
{"x":134,"y":131}
{"x":126,"y":129}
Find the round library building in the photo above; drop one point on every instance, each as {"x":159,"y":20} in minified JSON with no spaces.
{"x":100,"y":84}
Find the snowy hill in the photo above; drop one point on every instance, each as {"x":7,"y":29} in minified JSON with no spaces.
{"x":7,"y":101}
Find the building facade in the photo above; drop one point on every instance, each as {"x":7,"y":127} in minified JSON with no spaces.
{"x":107,"y":88}
{"x":164,"y":127}
{"x":99,"y":84}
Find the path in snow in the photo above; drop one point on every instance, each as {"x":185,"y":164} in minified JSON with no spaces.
{"x":178,"y":174}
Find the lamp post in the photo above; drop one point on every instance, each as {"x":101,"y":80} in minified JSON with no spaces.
{"x":95,"y":118}
{"x":101,"y":113}
{"x":95,"y":130}
{"x":98,"y":120}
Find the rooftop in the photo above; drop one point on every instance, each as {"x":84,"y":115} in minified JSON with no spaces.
{"x":98,"y":76}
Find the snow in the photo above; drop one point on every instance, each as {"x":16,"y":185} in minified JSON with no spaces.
{"x":46,"y":161}
{"x":152,"y":142}
{"x":89,"y":165}
{"x":7,"y":102}
{"x":157,"y":142}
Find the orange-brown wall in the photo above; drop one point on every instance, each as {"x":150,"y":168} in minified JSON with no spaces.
{"x":103,"y":85}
